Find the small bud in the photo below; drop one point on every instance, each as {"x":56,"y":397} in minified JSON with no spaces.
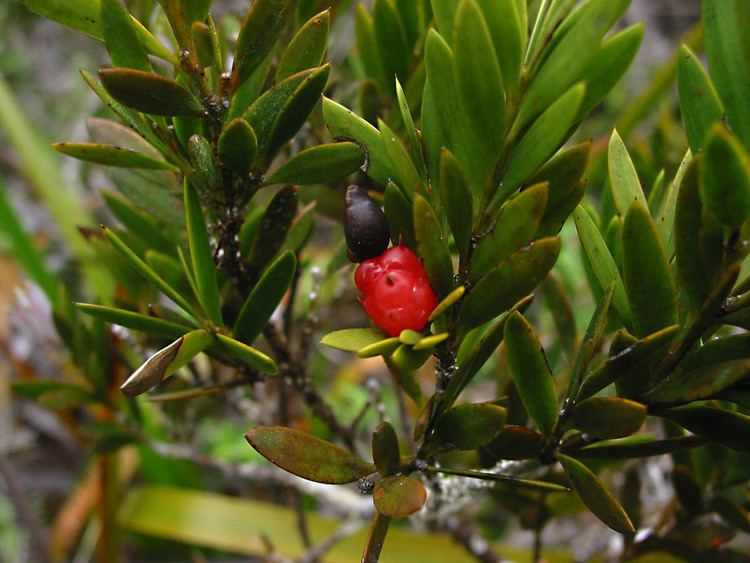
{"x":366,"y":228}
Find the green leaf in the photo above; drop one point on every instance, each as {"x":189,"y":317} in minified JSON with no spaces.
{"x":629,"y":367}
{"x":352,"y":339}
{"x":458,"y":203}
{"x":626,"y":187}
{"x":385,"y":452}
{"x":508,"y":37}
{"x":563,"y":172}
{"x":531,"y":373}
{"x":399,"y":496}
{"x":608,"y":417}
{"x":509,"y":281}
{"x":480,"y":86}
{"x":540,"y":142}
{"x":295,"y":111}
{"x":699,"y":383}
{"x":121,"y":37}
{"x":515,"y":229}
{"x":260,"y":30}
{"x":725,"y":177}
{"x":306,"y":456}
{"x":406,"y":173}
{"x":201,"y":256}
{"x":205,"y":177}
{"x":699,"y":102}
{"x":344,"y":124}
{"x":509,"y":480}
{"x":367,"y":45}
{"x":433,"y":247}
{"x":560,"y":305}
{"x":320,"y":164}
{"x":556,"y":217}
{"x":150,"y":92}
{"x":134,"y":321}
{"x":166,"y":361}
{"x":238,"y":146}
{"x":207,"y":48}
{"x":110,"y":155}
{"x":415,"y":145}
{"x":596,"y":497}
{"x":265,"y":297}
{"x":601,"y":262}
{"x":130,"y":118}
{"x":273,"y":228}
{"x":142,"y":268}
{"x":646,"y":272}
{"x":718,"y":350}
{"x":307,"y":47}
{"x":444,"y":12}
{"x":569,"y":58}
{"x":729,"y":61}
{"x":247,"y":355}
{"x":22,"y":248}
{"x":449,"y":119}
{"x":394,"y":51}
{"x":723,"y":427}
{"x":398,"y":211}
{"x":38,"y":389}
{"x":688,"y":224}
{"x":471,"y":426}
{"x":516,"y":443}
{"x":592,"y":340}
{"x":430,"y":342}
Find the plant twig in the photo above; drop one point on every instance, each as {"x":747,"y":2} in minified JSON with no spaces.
{"x":376,"y":538}
{"x":346,"y":529}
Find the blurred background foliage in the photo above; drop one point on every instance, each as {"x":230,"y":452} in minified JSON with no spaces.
{"x":179,"y":482}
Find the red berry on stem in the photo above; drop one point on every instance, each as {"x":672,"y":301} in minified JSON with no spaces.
{"x":395,"y":291}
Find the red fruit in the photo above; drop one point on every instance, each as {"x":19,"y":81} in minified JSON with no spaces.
{"x":395,"y":291}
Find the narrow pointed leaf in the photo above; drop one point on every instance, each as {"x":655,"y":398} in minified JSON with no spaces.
{"x":150,"y":92}
{"x":608,"y":65}
{"x":320,"y":165}
{"x":699,"y":383}
{"x":134,"y":321}
{"x":273,"y":227}
{"x":480,"y":84}
{"x":166,"y":361}
{"x":725,"y":177}
{"x":265,"y":297}
{"x":531,"y":373}
{"x":110,"y":155}
{"x":259,"y":32}
{"x":471,"y":426}
{"x":596,"y":497}
{"x":601,"y":262}
{"x":433,"y":247}
{"x":343,"y":123}
{"x":451,"y":299}
{"x":562,"y":173}
{"x":392,"y":45}
{"x":415,"y":145}
{"x":508,"y":38}
{"x":541,"y":141}
{"x":399,"y":496}
{"x":515,"y":228}
{"x":385,"y":452}
{"x":721,"y":426}
{"x":383,"y":347}
{"x":238,"y":146}
{"x":458,"y":202}
{"x":352,"y":339}
{"x":626,"y":187}
{"x":142,"y":268}
{"x":646,"y":272}
{"x":306,"y":456}
{"x":512,"y":279}
{"x":307,"y":47}
{"x":247,"y":355}
{"x":367,"y":45}
{"x":121,"y":37}
{"x":406,"y":175}
{"x":699,"y":103}
{"x":729,"y":61}
{"x":430,"y":342}
{"x":608,"y":417}
{"x":201,"y":256}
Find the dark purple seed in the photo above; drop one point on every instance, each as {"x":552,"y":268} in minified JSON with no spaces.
{"x":366,"y":228}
